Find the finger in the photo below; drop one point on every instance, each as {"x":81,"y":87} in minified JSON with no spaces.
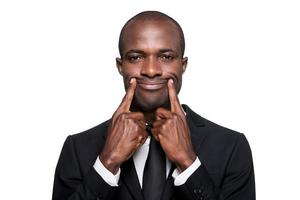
{"x":141,"y":141}
{"x":162,"y":113}
{"x":155,"y":133}
{"x":138,"y":141}
{"x":142,"y":135}
{"x":126,"y":102}
{"x":158,"y":123}
{"x":145,"y":136}
{"x":135,"y":116}
{"x":174,"y":101}
{"x":139,"y":118}
{"x":142,"y":125}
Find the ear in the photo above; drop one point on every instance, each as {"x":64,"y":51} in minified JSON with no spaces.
{"x":184,"y":64}
{"x":119,"y":64}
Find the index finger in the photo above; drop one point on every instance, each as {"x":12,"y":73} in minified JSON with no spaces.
{"x":126,"y":102}
{"x":174,"y":101}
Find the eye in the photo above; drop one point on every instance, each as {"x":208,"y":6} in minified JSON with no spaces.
{"x":166,"y":57}
{"x":135,"y":58}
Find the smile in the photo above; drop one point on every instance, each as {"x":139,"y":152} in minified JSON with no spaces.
{"x":152,"y":85}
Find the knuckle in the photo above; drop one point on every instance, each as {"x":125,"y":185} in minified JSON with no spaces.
{"x":139,"y":137}
{"x":139,"y":113}
{"x":132,"y":123}
{"x":155,"y":124}
{"x":158,"y":110}
{"x":175,"y":116}
{"x":158,"y":137}
{"x":165,"y":126}
{"x":169,"y":122}
{"x":123,"y":116}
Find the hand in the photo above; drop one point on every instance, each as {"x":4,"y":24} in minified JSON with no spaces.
{"x":171,"y":130}
{"x":126,"y":133}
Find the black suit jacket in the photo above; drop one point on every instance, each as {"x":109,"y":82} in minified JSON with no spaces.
{"x":226,"y":170}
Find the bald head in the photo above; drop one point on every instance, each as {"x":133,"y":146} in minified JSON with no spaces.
{"x":155,"y":17}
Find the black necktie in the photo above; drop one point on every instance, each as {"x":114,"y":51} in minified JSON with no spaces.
{"x":154,"y":177}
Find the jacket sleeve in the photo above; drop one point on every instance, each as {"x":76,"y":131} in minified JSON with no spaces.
{"x":71,"y":184}
{"x":238,"y":181}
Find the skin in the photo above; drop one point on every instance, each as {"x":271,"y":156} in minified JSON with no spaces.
{"x":152,"y":68}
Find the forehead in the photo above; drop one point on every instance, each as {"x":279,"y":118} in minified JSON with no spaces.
{"x":151,"y":36}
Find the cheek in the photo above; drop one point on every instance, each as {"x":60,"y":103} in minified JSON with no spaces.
{"x":176,"y":74}
{"x":174,"y":67}
{"x":127,"y":75}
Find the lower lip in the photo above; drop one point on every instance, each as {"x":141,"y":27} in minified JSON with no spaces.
{"x":152,"y":86}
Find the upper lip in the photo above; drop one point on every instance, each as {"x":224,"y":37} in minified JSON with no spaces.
{"x":154,"y":82}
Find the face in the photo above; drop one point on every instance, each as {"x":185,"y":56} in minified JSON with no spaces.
{"x":152,"y":55}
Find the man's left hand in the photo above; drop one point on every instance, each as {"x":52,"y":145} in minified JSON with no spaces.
{"x":172,"y":131}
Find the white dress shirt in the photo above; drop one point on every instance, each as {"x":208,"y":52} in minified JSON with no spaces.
{"x":139,"y":159}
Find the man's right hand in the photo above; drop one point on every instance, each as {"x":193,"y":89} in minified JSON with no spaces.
{"x":126,"y":133}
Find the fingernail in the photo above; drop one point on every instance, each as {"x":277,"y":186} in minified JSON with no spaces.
{"x":171,"y":81}
{"x":132,"y":80}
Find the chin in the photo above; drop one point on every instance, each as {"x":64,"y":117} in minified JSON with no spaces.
{"x":149,"y":105}
{"x":149,"y":101}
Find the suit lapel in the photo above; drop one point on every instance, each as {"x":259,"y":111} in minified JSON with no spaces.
{"x":130,"y":179}
{"x":169,"y":187}
{"x":196,"y":124}
{"x":128,"y":175}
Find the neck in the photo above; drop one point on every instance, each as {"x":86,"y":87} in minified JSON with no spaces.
{"x":148,"y":114}
{"x":149,"y":117}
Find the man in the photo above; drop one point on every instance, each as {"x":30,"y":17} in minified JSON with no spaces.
{"x":153,"y":147}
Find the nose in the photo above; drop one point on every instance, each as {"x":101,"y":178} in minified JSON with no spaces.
{"x":151,"y":68}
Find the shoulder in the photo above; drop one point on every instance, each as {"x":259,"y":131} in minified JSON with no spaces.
{"x":215,"y":134}
{"x":221,"y":132}
{"x":218,"y":145}
{"x":93,"y":137}
{"x":226,"y":139}
{"x":96,"y":131}
{"x":84,"y":147}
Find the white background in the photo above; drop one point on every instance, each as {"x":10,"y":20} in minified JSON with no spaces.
{"x":58,"y":77}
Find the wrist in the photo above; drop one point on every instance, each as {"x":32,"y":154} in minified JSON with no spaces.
{"x":185,"y":163}
{"x":109,"y":163}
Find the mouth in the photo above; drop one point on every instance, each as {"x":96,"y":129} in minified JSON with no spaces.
{"x":152,"y":85}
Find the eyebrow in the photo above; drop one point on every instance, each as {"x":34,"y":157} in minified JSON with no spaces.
{"x":142,"y":52}
{"x":167,"y":50}
{"x":135,"y":51}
